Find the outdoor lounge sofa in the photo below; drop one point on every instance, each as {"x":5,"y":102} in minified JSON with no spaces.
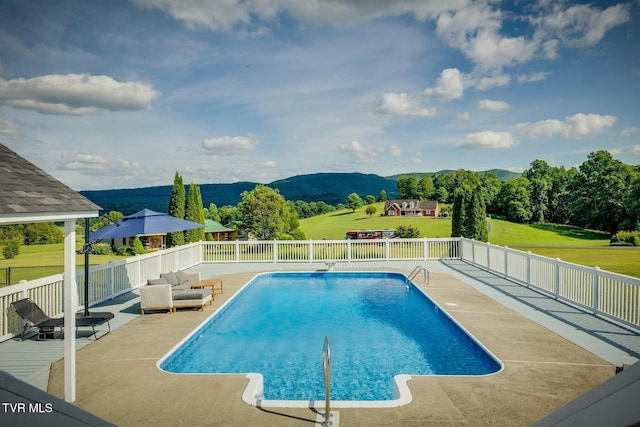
{"x":34,"y":317}
{"x":173,"y":290}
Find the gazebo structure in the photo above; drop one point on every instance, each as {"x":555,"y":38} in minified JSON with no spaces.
{"x":27,"y":195}
{"x":218,"y":231}
{"x":149,"y":226}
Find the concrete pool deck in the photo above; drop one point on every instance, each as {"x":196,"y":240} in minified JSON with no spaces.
{"x":117,"y":378}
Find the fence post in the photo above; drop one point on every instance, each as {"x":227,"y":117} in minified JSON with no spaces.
{"x":237,"y":250}
{"x":596,"y":290}
{"x":506,"y":262}
{"x":528,"y":268}
{"x":110,"y":279}
{"x":275,"y":251}
{"x":556,"y":277}
{"x":386,"y":249}
{"x":425,"y":250}
{"x":348,"y":250}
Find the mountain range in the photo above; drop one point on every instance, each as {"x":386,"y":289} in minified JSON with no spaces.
{"x":331,"y":188}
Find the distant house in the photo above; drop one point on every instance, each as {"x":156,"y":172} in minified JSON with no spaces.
{"x":411,"y":207}
{"x":218,"y":231}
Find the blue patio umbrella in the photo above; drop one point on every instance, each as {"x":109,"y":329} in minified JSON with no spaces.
{"x":143,"y":223}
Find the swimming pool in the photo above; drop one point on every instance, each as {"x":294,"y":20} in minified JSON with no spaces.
{"x":381,"y":331}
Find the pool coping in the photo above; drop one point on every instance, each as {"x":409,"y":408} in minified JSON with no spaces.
{"x":253,"y":391}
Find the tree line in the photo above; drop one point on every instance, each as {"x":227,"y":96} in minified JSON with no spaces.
{"x":602,"y":193}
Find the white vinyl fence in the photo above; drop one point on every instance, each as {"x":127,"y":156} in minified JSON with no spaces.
{"x":600,"y":292}
{"x":611,"y":295}
{"x":106,"y":281}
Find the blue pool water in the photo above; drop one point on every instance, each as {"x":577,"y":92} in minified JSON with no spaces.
{"x":378,"y":328}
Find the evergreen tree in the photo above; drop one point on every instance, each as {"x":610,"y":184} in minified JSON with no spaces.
{"x":194,"y":212}
{"x":477,"y":216}
{"x":176,"y":209}
{"x":469,"y":214}
{"x":458,"y":218}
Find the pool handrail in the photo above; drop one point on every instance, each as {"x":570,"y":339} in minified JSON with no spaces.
{"x":416,"y":271}
{"x":326,"y":368}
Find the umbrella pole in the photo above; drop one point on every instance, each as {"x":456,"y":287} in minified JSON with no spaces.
{"x":87,"y":248}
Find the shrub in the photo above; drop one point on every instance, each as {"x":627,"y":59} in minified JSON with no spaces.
{"x":11,"y":250}
{"x":407,"y":231}
{"x":138,"y":248}
{"x":101,"y":249}
{"x":298,"y":234}
{"x":625,"y":238}
{"x":125,"y":250}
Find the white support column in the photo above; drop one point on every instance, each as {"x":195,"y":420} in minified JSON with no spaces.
{"x":69,"y":306}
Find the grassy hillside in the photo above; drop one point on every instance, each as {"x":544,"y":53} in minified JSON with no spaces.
{"x":570,"y":244}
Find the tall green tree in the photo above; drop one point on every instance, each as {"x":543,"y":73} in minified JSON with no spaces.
{"x":469,"y":217}
{"x":477,"y":216}
{"x":459,"y":214}
{"x":177,"y":202}
{"x":382,"y":197}
{"x":426,"y":189}
{"x":265,"y":213}
{"x":514,"y":199}
{"x":599,"y":191}
{"x":353,"y":202}
{"x":194,"y":212}
{"x":408,"y":187}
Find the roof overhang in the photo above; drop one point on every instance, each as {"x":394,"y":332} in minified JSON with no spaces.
{"x":18,"y":218}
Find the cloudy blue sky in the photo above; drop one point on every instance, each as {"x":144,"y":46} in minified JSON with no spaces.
{"x":123,"y":93}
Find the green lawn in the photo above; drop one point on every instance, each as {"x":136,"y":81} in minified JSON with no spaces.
{"x":567,"y":243}
{"x":35,"y":261}
{"x":584,"y":247}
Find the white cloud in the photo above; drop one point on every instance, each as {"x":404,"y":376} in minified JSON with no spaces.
{"x":395,"y":151}
{"x":534,"y":77}
{"x":626,"y":132}
{"x":91,"y":163}
{"x":231,"y":145}
{"x":449,"y":86}
{"x":270,"y":164}
{"x":577,"y":126}
{"x":225,"y":15}
{"x":490,"y":105}
{"x":403,"y":105}
{"x":488,"y":139}
{"x":636,"y":149}
{"x":491,"y":81}
{"x":359,"y":153}
{"x":463,"y":117}
{"x":75,"y":94}
{"x":581,"y":24}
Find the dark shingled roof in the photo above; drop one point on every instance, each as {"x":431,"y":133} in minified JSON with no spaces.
{"x":26,"y":189}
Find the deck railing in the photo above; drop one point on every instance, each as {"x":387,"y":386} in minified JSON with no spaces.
{"x":330,"y":250}
{"x":611,"y":295}
{"x":106,"y":281}
{"x":603,"y":293}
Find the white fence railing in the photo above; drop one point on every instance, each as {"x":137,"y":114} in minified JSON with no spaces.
{"x":106,"y":281}
{"x":600,"y":292}
{"x":330,"y":250}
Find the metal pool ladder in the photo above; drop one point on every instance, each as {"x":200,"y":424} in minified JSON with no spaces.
{"x":326,"y":368}
{"x":417,"y":271}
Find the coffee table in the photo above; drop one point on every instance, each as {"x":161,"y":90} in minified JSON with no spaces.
{"x":210,"y":283}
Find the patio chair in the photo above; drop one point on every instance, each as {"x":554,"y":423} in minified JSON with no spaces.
{"x":33,"y":316}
